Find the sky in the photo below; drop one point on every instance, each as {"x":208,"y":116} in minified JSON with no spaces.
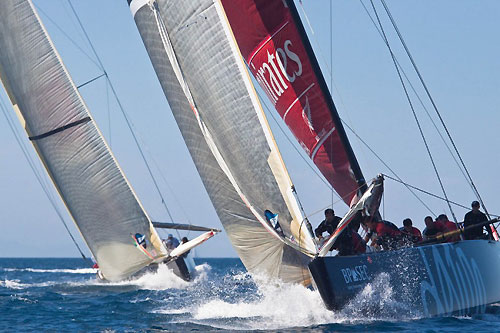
{"x":454,"y":43}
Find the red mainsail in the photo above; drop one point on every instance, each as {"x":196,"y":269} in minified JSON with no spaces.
{"x":274,"y":50}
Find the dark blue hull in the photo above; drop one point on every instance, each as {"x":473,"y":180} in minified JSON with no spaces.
{"x":458,"y":278}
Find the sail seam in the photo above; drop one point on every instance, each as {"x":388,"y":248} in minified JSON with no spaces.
{"x":206,"y":132}
{"x":60,"y":129}
{"x":266,"y":41}
{"x":275,"y":160}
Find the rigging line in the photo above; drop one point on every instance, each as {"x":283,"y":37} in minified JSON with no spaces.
{"x":91,"y":80}
{"x":421,"y":103}
{"x":108,"y":108}
{"x":155,"y":163}
{"x":331,"y":69}
{"x":383,"y":206}
{"x":67,"y":36}
{"x":100,"y":65}
{"x":414,"y":113}
{"x":331,"y":206}
{"x":38,"y":176}
{"x":388,"y":167}
{"x":432,"y":101}
{"x":130,"y":126}
{"x":292,"y":144}
{"x":125,"y":115}
{"x":305,"y":220}
{"x":425,"y":192}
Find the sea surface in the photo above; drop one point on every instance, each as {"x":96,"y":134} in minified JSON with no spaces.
{"x":62,"y":295}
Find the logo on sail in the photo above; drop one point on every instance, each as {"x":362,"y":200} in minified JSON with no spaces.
{"x":275,"y":71}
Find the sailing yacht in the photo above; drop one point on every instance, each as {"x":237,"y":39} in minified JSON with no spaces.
{"x":102,"y":203}
{"x":201,"y":50}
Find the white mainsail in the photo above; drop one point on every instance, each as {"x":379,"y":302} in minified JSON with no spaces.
{"x":76,"y":157}
{"x":214,"y":103}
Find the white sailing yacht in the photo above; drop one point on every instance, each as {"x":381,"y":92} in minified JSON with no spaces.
{"x":107,"y":212}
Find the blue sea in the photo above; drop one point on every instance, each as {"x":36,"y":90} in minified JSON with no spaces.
{"x":62,"y":295}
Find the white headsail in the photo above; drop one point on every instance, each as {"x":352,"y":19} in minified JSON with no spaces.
{"x":214,"y":103}
{"x":75,"y":155}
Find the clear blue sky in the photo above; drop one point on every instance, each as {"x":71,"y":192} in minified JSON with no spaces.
{"x":455,"y":44}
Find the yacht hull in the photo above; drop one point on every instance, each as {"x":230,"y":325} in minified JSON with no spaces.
{"x":452,"y":278}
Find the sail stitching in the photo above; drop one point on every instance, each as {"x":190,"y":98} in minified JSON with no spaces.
{"x":266,"y":41}
{"x":206,"y":133}
{"x":60,"y":129}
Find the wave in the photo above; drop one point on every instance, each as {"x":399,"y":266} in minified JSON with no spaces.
{"x":17,"y":284}
{"x":281,"y":305}
{"x":12,"y":284}
{"x":376,"y":302}
{"x":161,"y":279}
{"x":39,"y":270}
{"x":278,"y":306}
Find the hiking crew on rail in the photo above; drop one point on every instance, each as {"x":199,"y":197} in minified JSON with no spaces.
{"x":384,"y":235}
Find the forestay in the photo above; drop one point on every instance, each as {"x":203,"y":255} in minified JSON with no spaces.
{"x":279,"y":56}
{"x":74,"y":153}
{"x":213,"y":101}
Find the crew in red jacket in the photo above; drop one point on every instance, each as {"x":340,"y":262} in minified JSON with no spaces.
{"x":387,"y":235}
{"x":433,"y":228}
{"x":450,"y":226}
{"x":411,"y":233}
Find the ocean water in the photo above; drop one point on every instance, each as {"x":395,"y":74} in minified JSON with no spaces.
{"x":63,"y":295}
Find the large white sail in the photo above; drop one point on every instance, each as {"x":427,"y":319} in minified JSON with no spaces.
{"x":215,"y":105}
{"x":75,"y":155}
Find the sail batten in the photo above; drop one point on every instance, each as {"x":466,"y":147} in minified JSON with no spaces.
{"x":211,"y":96}
{"x":77,"y":159}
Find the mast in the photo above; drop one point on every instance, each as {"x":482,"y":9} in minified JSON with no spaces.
{"x":358,"y":175}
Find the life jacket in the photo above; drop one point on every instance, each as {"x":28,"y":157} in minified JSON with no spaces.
{"x":417,"y":235}
{"x":412,"y":236}
{"x":450,"y":226}
{"x":386,"y":228}
{"x":388,"y":235}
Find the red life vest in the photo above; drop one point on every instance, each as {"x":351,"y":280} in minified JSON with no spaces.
{"x":450,"y":226}
{"x":417,"y":234}
{"x":383,"y":229}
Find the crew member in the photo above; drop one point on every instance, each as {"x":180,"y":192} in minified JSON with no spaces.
{"x":411,"y":233}
{"x":272,"y":219}
{"x":171,"y":242}
{"x":475,"y":216}
{"x":183,"y":241}
{"x":432,"y":228}
{"x":348,"y":242}
{"x":450,"y":226}
{"x":386,"y":235}
{"x":329,"y":224}
{"x":141,"y":240}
